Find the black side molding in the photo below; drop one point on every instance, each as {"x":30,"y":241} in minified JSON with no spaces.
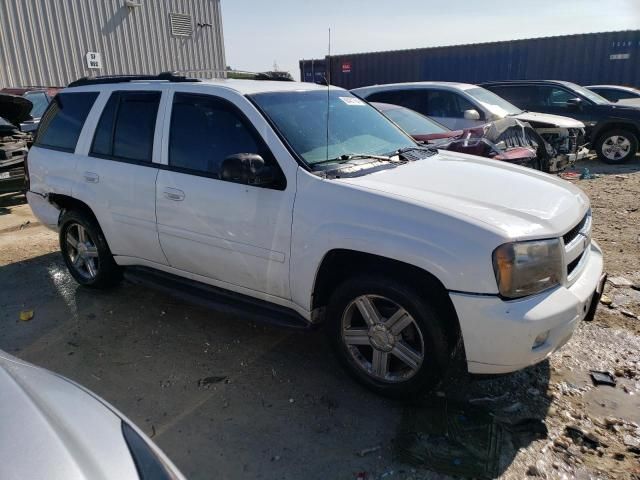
{"x":217,"y":299}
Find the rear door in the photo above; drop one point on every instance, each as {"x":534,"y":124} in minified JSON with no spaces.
{"x":115,"y":173}
{"x":237,"y":236}
{"x":51,"y":159}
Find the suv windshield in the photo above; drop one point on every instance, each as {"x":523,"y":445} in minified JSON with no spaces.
{"x":585,"y":92}
{"x":355,"y":127}
{"x":493,"y":102}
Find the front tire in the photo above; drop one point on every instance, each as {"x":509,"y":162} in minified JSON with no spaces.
{"x":616,"y":146}
{"x":387,"y":335}
{"x":85,"y":251}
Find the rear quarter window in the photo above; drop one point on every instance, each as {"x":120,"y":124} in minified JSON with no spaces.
{"x":62,"y":123}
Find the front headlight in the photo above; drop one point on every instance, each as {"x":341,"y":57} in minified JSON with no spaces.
{"x":525,"y":268}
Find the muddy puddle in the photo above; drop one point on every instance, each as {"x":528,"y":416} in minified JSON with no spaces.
{"x":461,"y":439}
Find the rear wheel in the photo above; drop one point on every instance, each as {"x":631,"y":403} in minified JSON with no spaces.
{"x":85,"y":251}
{"x":616,"y":146}
{"x":387,"y":335}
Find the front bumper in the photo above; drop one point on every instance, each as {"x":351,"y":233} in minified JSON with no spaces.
{"x":499,"y":335}
{"x":564,"y":160}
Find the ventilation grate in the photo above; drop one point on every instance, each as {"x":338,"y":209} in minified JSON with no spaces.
{"x":181,"y":25}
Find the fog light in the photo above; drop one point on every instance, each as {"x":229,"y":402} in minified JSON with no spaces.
{"x":540,"y":340}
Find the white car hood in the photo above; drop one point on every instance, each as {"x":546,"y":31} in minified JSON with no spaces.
{"x":514,"y":202}
{"x":551,"y":120}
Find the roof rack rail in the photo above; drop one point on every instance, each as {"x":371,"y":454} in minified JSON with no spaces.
{"x":106,"y":79}
{"x":273,"y":76}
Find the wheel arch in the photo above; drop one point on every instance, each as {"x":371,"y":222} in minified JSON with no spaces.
{"x":615,"y":125}
{"x":65,"y":202}
{"x":340,"y":264}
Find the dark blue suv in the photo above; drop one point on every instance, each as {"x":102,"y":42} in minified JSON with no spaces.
{"x":612,"y":129}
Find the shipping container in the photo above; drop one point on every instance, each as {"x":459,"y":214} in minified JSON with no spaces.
{"x":52,"y":42}
{"x":313,"y":71}
{"x":593,"y":58}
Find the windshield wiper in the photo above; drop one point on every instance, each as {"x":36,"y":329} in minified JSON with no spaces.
{"x":346,"y":158}
{"x":420,"y":148}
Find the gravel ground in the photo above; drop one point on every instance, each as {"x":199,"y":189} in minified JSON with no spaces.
{"x":281,"y":407}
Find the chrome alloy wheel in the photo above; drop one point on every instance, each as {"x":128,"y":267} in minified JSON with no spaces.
{"x":616,"y":147}
{"x":82,"y":251}
{"x":383,"y":338}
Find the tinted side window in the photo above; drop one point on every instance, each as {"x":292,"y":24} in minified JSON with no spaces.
{"x":205,"y":130}
{"x":445,"y":104}
{"x":127,"y":126}
{"x":412,"y":99}
{"x":555,"y":97}
{"x":521,"y":95}
{"x":62,"y":122}
{"x":613,"y":95}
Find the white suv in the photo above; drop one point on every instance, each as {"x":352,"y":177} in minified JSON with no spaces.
{"x":244,"y":194}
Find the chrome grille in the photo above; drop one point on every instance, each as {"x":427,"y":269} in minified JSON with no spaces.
{"x":576,"y":247}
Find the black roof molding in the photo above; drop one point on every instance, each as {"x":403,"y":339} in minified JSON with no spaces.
{"x":164,"y":76}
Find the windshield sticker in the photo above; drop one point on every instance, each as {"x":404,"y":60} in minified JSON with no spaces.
{"x":352,"y":101}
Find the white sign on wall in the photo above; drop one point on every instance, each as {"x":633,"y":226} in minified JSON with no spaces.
{"x":94,"y":60}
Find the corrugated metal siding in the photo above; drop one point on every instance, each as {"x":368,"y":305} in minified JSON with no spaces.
{"x":583,"y":59}
{"x":44,"y":42}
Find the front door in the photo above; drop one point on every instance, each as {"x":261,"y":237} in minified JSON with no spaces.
{"x":235,"y":234}
{"x":449,"y":108}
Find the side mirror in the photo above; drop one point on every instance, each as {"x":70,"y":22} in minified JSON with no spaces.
{"x":248,"y":169}
{"x":471,"y":115}
{"x":574,"y":103}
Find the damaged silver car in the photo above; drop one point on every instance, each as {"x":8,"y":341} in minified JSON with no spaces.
{"x":461,"y":105}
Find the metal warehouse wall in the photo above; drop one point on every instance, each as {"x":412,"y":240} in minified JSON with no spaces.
{"x":611,"y":57}
{"x":45,"y":42}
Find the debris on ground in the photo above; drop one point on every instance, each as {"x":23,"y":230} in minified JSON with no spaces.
{"x":367,"y":451}
{"x":628,"y":313}
{"x":605,"y":300}
{"x":602,"y":378}
{"x":26,"y":315}
{"x":489,"y":399}
{"x":206,"y":381}
{"x":513,"y":407}
{"x":620,"y":282}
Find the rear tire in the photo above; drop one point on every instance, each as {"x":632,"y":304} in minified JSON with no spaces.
{"x":85,"y":251}
{"x":387,"y":335}
{"x":616,"y":146}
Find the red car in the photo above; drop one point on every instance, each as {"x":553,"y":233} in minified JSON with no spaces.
{"x":507,"y":139}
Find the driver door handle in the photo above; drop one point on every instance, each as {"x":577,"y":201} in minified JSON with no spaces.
{"x":173,"y":194}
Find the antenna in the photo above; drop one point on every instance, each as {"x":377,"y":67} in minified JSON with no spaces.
{"x":328,"y":79}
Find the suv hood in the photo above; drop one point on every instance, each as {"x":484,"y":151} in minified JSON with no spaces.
{"x":15,"y":109}
{"x":537,"y":119}
{"x":628,"y":110}
{"x":515,"y":202}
